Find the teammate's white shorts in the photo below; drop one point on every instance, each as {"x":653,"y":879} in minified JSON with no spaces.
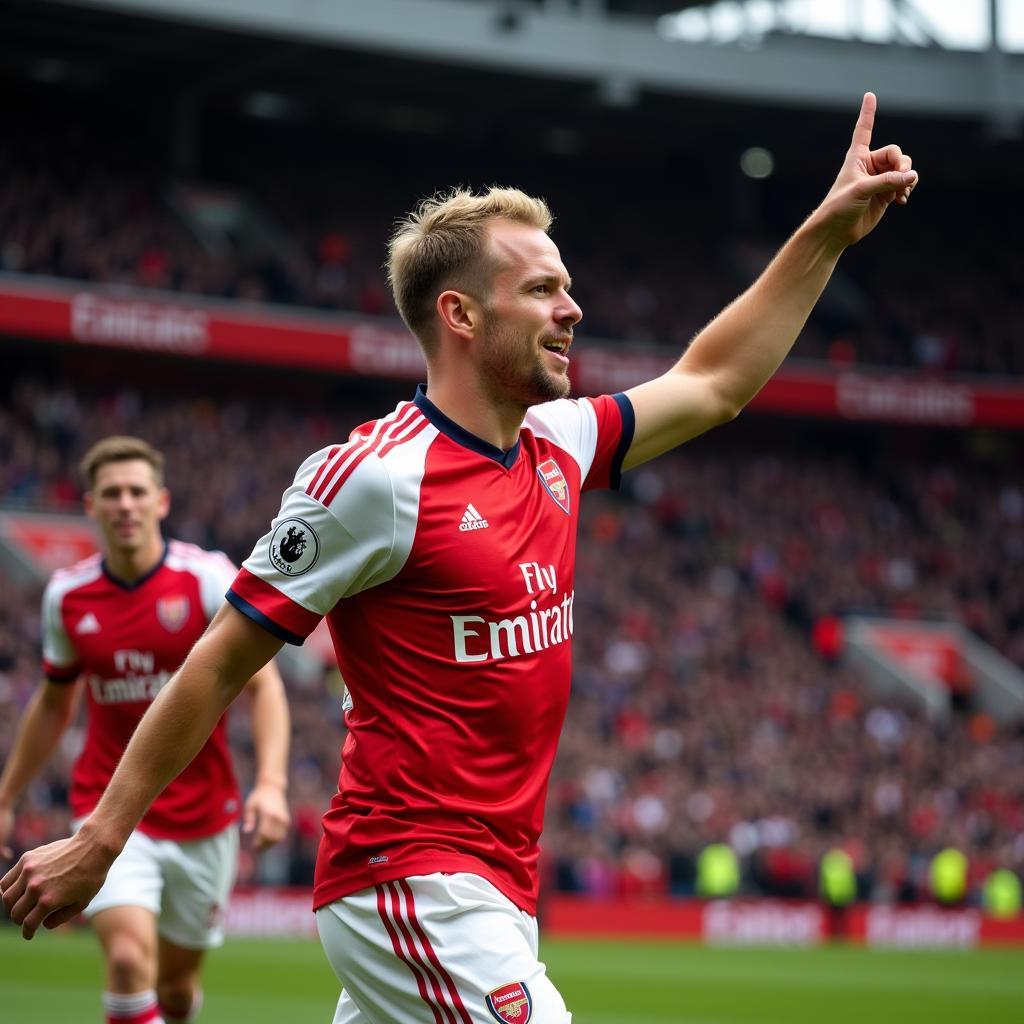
{"x":437,"y":949}
{"x":185,"y":884}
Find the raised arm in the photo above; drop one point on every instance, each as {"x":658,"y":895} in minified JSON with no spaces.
{"x":266,"y":810}
{"x":52,"y":884}
{"x":732,"y":358}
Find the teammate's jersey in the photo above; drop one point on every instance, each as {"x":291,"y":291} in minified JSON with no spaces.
{"x":124,"y":641}
{"x":445,"y":568}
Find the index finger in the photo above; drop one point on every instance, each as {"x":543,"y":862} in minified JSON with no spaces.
{"x":865,"y":122}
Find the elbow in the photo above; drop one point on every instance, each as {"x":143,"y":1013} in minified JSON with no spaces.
{"x":727,"y":411}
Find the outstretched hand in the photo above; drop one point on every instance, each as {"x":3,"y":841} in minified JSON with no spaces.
{"x":869,"y":181}
{"x":54,"y":883}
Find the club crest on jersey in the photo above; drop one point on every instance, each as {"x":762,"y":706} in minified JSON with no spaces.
{"x":511,"y":1003}
{"x":294,"y":547}
{"x":553,"y":479}
{"x":172,"y":612}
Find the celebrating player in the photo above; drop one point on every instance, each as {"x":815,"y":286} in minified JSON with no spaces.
{"x":439,"y":541}
{"x":122,"y":622}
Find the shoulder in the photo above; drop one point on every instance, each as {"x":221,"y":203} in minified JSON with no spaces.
{"x":197,"y":561}
{"x":81,"y":574}
{"x":375,"y":460}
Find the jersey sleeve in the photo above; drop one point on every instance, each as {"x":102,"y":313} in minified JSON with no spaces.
{"x":333,"y":537}
{"x":596,"y":432}
{"x":216,"y":575}
{"x":61,"y":663}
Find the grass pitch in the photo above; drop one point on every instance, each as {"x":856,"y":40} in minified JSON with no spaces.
{"x":56,"y":979}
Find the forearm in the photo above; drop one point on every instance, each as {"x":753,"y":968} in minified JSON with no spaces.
{"x":271,"y":727}
{"x":745,"y":344}
{"x":40,"y":731}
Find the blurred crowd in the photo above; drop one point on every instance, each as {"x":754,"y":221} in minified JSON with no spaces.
{"x":939,"y":298}
{"x":709,"y":704}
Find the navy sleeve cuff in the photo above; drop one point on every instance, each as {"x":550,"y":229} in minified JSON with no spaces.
{"x":252,"y":612}
{"x":625,"y":439}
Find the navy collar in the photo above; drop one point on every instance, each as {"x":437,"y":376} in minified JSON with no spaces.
{"x":124,"y":584}
{"x":462,"y":436}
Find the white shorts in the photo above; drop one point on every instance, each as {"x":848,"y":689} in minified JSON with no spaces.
{"x":185,"y":884}
{"x":437,"y":949}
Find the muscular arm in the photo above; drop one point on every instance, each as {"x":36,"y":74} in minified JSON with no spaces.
{"x":45,"y":719}
{"x":733,"y":357}
{"x":55,"y":882}
{"x":266,"y":810}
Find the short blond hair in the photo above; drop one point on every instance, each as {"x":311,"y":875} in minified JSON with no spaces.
{"x":441,"y":244}
{"x":120,"y":448}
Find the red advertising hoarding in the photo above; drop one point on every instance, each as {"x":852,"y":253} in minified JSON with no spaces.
{"x":48,"y":310}
{"x":743,"y":922}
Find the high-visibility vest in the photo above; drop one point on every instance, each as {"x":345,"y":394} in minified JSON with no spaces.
{"x":718,"y":871}
{"x":948,"y":875}
{"x":1001,"y":894}
{"x":838,"y":880}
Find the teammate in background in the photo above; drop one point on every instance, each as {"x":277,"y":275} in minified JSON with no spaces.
{"x":121,"y":623}
{"x":440,"y":542}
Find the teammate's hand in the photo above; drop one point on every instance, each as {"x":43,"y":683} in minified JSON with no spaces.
{"x":868,"y":182}
{"x":54,"y":883}
{"x":266,"y":815}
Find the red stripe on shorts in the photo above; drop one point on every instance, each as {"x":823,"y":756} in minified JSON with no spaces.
{"x":396,"y":942}
{"x":445,"y":976}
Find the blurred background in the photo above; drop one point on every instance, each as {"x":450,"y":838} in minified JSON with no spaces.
{"x":798,"y":695}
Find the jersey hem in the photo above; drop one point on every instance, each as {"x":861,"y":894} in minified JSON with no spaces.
{"x":181,"y":835}
{"x":356,"y":882}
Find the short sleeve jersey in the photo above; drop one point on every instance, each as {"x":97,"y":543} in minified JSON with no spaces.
{"x":123,"y":642}
{"x":444,"y":566}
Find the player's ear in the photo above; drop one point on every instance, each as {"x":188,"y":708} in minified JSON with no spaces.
{"x":460,"y":313}
{"x":163,"y":504}
{"x":89,"y":504}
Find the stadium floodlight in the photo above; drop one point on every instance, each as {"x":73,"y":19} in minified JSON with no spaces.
{"x":757,"y":162}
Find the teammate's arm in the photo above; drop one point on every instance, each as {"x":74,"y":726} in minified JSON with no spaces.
{"x":729,"y":361}
{"x":266,"y":810}
{"x":45,"y":719}
{"x":54,"y":883}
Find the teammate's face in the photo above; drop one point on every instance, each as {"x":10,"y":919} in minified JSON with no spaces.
{"x":530,"y":316}
{"x":128,"y":504}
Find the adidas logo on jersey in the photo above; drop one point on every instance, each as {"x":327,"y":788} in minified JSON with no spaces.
{"x":88,"y":623}
{"x":472,"y":520}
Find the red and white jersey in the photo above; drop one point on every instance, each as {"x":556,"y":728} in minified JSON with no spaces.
{"x":124,"y":641}
{"x":445,"y":568}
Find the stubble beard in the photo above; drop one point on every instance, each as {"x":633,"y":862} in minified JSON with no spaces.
{"x":509,"y":377}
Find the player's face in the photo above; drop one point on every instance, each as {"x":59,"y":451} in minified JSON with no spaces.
{"x":128,"y":504}
{"x":530,"y":316}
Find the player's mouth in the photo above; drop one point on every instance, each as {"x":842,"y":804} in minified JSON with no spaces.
{"x":559,"y":347}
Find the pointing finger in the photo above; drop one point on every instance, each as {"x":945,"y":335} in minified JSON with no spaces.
{"x":865,"y":122}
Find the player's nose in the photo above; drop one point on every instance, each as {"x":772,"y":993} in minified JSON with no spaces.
{"x":568,"y":313}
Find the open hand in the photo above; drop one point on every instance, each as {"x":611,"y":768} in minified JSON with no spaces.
{"x":868,"y":182}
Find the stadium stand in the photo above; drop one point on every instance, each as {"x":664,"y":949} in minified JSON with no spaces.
{"x":705,"y":705}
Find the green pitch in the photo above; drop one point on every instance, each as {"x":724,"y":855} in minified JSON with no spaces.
{"x":56,"y":980}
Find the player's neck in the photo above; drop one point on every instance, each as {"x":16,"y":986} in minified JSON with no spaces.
{"x":131,"y":565}
{"x":492,"y":419}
